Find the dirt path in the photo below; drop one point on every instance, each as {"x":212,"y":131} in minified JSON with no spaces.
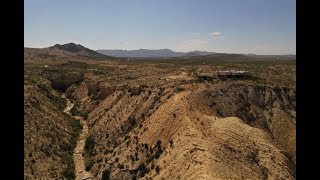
{"x":80,"y":171}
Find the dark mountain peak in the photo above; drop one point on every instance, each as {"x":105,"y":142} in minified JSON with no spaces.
{"x":72,"y":47}
{"x":78,"y":49}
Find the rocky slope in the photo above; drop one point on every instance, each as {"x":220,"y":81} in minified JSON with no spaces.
{"x":192,"y":131}
{"x":49,"y":134}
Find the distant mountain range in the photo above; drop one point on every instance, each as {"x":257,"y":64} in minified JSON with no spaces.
{"x":287,"y":56}
{"x":78,"y":51}
{"x":144,"y":53}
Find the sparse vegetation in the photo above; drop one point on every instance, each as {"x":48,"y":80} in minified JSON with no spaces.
{"x":69,"y":173}
{"x":179,"y":89}
{"x":67,"y":148}
{"x":89,"y":152}
{"x":58,"y":101}
{"x":171,"y":143}
{"x":89,"y":162}
{"x":122,"y":121}
{"x":158,"y":169}
{"x":105,"y":175}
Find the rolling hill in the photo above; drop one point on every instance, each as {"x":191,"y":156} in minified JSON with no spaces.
{"x":63,"y":51}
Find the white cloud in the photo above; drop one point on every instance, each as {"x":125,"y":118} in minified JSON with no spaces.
{"x":215,"y":34}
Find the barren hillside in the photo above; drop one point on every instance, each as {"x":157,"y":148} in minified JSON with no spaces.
{"x":50,"y":135}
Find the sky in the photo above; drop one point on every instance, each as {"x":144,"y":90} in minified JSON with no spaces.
{"x":226,"y":26}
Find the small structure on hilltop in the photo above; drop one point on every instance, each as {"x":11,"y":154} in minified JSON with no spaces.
{"x":233,"y":74}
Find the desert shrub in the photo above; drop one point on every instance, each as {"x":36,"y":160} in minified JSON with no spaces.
{"x":174,"y":115}
{"x":253,"y":157}
{"x":88,"y":163}
{"x":85,"y":115}
{"x":132,"y":158}
{"x":126,"y":137}
{"x":158,"y":169}
{"x":150,"y":158}
{"x":65,"y":147}
{"x":89,"y":152}
{"x":76,"y":126}
{"x":74,"y":110}
{"x":132,"y":121}
{"x":89,"y":144}
{"x":68,"y":172}
{"x":143,"y":170}
{"x":157,"y":154}
{"x":171,"y":143}
{"x":120,"y":166}
{"x":265,"y":172}
{"x":241,"y":96}
{"x":179,"y":89}
{"x":146,"y":146}
{"x":105,"y":175}
{"x":117,"y":159}
{"x":159,"y":143}
{"x":159,"y":150}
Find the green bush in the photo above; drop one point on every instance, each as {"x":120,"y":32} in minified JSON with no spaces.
{"x":74,"y":110}
{"x":105,"y":175}
{"x":179,"y":89}
{"x":89,"y":152}
{"x":171,"y":143}
{"x":89,"y":144}
{"x":66,"y":147}
{"x":68,"y":172}
{"x":88,"y":163}
{"x":158,"y":169}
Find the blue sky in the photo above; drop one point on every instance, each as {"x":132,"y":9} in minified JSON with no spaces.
{"x":231,"y":26}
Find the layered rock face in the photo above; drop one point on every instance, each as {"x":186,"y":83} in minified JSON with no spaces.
{"x":230,"y":130}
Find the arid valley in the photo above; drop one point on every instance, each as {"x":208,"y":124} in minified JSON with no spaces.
{"x":93,"y":116}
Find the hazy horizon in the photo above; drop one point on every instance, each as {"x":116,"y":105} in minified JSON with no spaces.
{"x":246,"y":27}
